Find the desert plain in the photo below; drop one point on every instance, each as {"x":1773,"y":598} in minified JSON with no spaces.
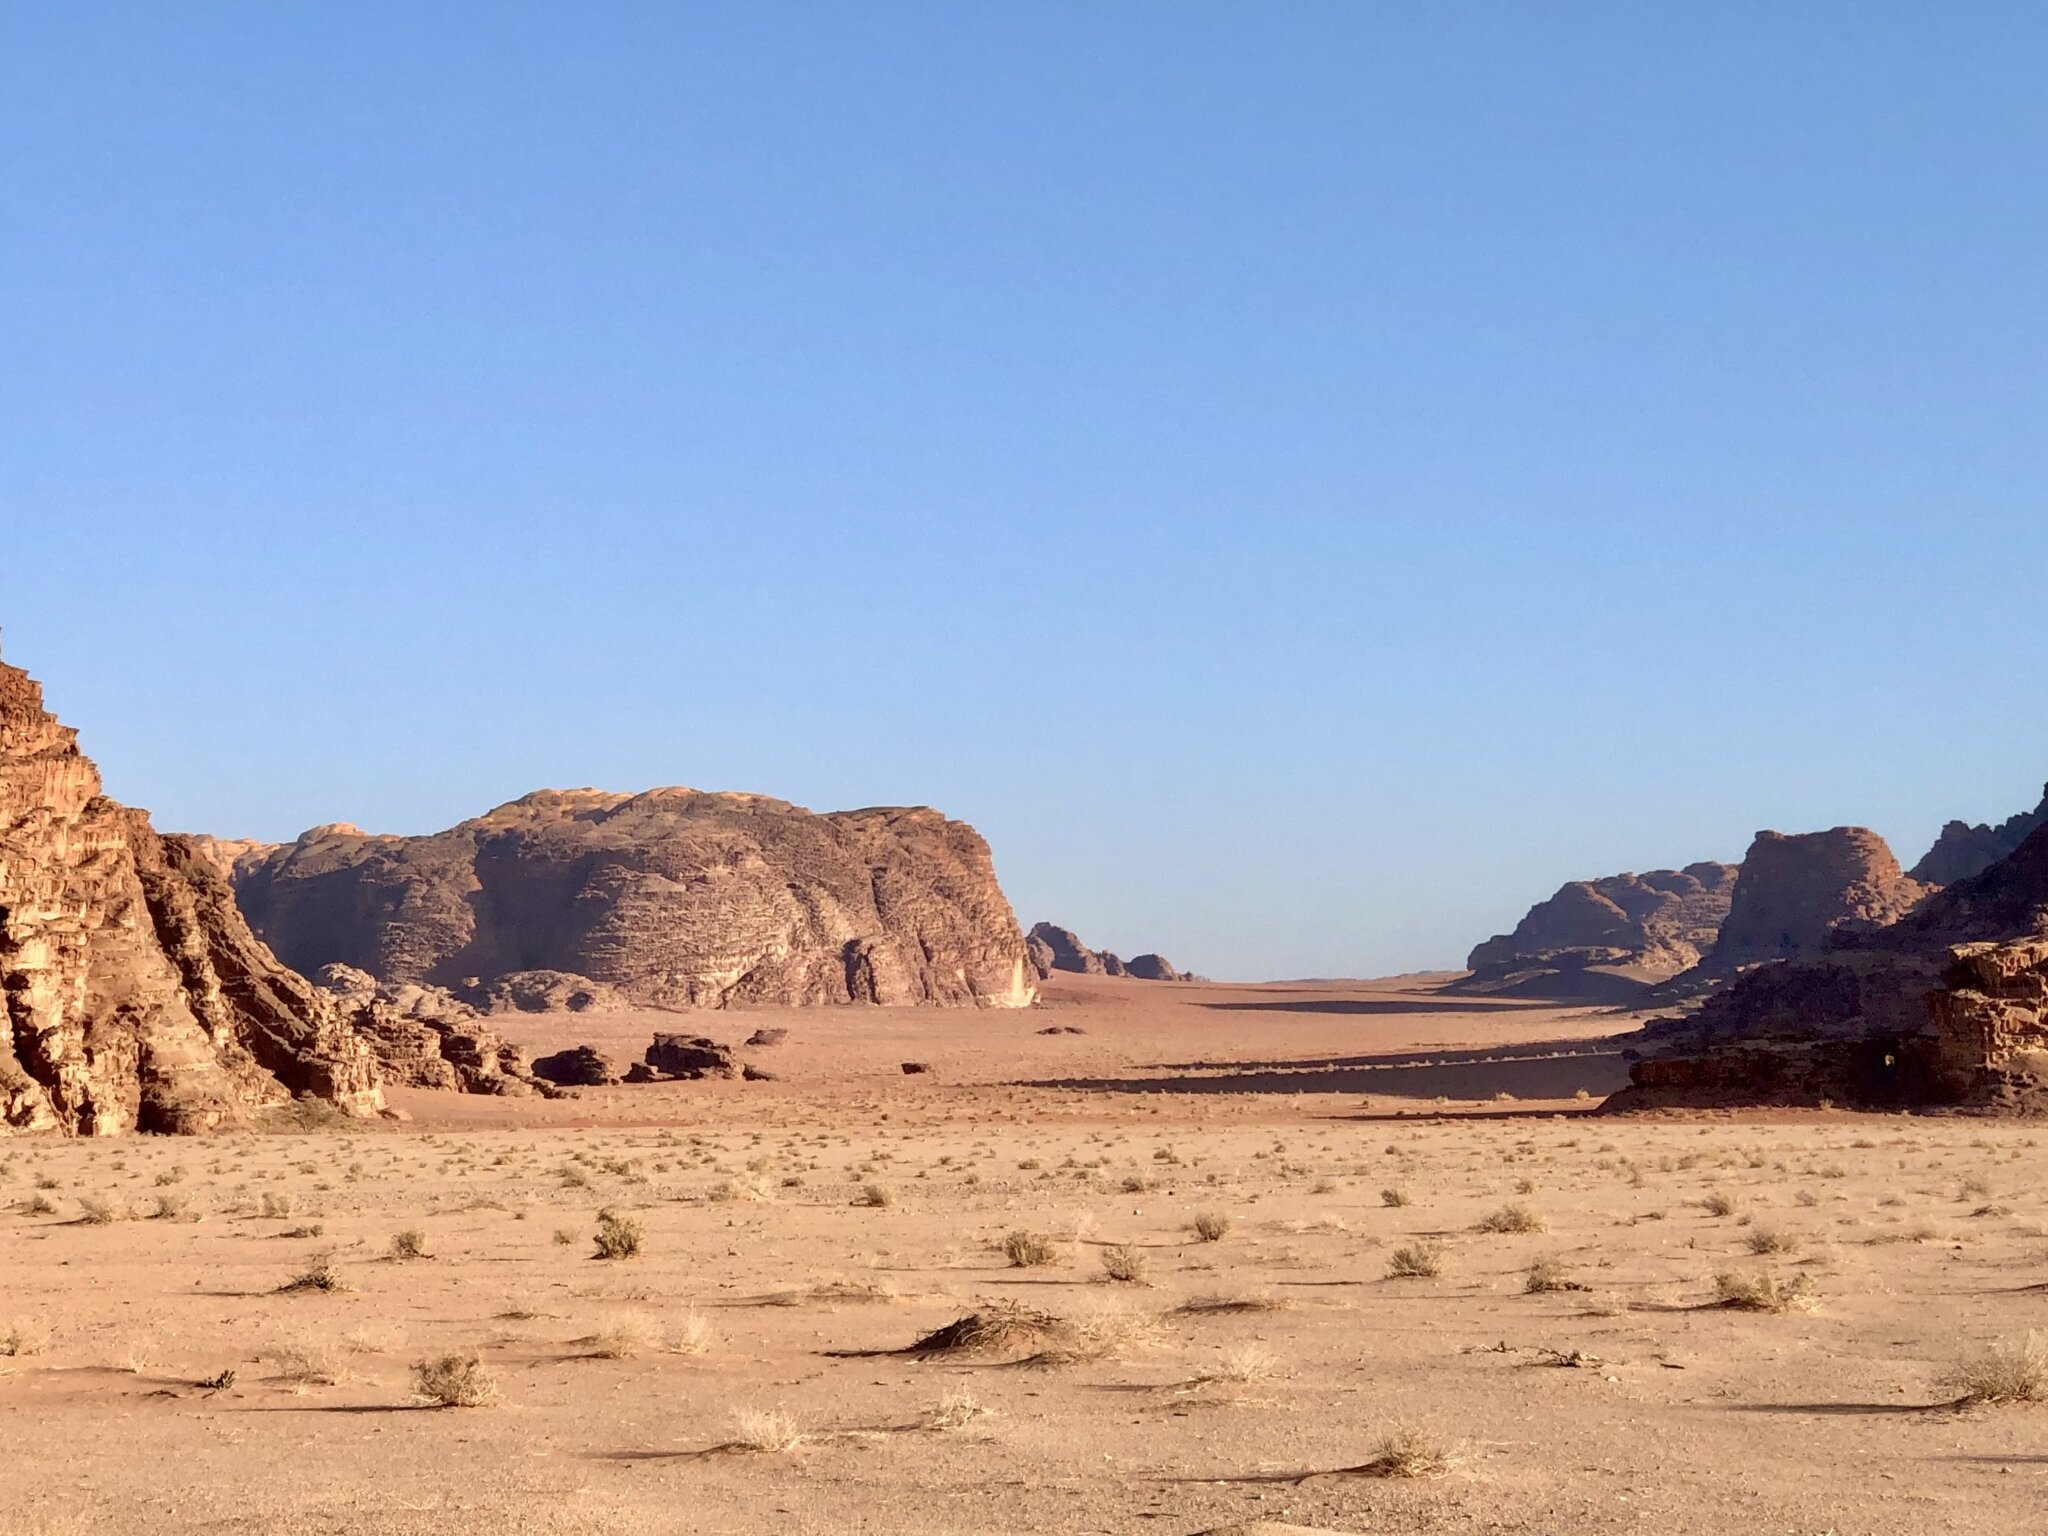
{"x":1350,"y":1256}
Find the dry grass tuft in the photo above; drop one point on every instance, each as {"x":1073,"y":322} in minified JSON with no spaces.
{"x":1407,"y":1452}
{"x":1765,"y":1241}
{"x":1416,"y":1261}
{"x":305,"y":1363}
{"x":410,"y":1244}
{"x":769,"y":1430}
{"x":1030,"y":1250}
{"x":618,"y":1236}
{"x":19,"y":1338}
{"x":2004,"y":1372}
{"x":455,"y":1381}
{"x":1210,"y":1226}
{"x":1123,"y":1263}
{"x":1546,"y":1275}
{"x":956,"y":1410}
{"x":1764,"y":1292}
{"x":627,"y":1335}
{"x":1217,"y":1303}
{"x":318,"y":1275}
{"x":1513,"y":1218}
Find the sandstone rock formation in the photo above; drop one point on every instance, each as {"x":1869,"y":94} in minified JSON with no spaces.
{"x":683,"y":1058}
{"x":581,"y":1066}
{"x":671,"y":898}
{"x":1796,"y":892}
{"x":1963,"y":850}
{"x":137,"y":997}
{"x":1947,"y":1007}
{"x":426,"y":1037}
{"x":543,"y":992}
{"x":1052,"y":948}
{"x":1609,"y":937}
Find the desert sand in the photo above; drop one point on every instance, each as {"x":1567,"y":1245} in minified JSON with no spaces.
{"x":1212,"y":1187}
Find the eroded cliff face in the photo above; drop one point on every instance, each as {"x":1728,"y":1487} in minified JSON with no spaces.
{"x":674,"y":897}
{"x":135,"y":996}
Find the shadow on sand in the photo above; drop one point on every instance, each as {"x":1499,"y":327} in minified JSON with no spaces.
{"x":1550,"y":1069}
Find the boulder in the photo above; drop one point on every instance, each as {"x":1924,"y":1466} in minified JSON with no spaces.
{"x":1038,"y":955}
{"x":137,"y":997}
{"x":688,"y":1057}
{"x":761,"y":1037}
{"x":1154,"y":968}
{"x":581,"y":1066}
{"x":669,"y":898}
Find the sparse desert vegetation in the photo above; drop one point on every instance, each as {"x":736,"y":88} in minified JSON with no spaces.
{"x":1068,"y":1301}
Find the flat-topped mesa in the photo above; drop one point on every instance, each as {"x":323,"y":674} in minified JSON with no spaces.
{"x":137,"y":997}
{"x":1630,"y":930}
{"x":1946,"y":1008}
{"x":1797,"y":892}
{"x":1963,"y":850}
{"x":674,"y":897}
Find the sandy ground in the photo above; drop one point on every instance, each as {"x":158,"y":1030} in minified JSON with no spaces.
{"x":744,"y":1372}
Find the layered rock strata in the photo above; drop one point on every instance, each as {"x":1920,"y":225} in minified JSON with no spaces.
{"x":136,"y":997}
{"x":1617,"y":934}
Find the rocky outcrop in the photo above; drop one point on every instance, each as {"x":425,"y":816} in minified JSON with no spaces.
{"x":1963,"y":850}
{"x":544,"y":992}
{"x":1610,"y":936}
{"x":1946,"y":1008}
{"x":1796,"y":893}
{"x":136,"y":997}
{"x":426,"y":1037}
{"x":1052,"y":948}
{"x":581,"y":1066}
{"x":684,"y":1058}
{"x":671,"y":898}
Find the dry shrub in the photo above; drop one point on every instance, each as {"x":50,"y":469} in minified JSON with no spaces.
{"x":1123,"y":1263}
{"x":1214,"y":1303}
{"x":627,"y":1335}
{"x":1513,"y":1218}
{"x":1105,"y":1334}
{"x":1240,"y":1366}
{"x":1764,"y":1291}
{"x":750,"y":1188}
{"x":1210,"y":1226}
{"x":1030,"y":1250}
{"x":1407,"y":1452}
{"x":956,"y":1410}
{"x":995,"y":1328}
{"x":764,"y":1429}
{"x":2004,"y":1372}
{"x":1764,"y":1241}
{"x":1720,"y":1203}
{"x":618,"y":1236}
{"x":307,"y":1363}
{"x":1395,"y":1197}
{"x":455,"y":1381}
{"x":689,"y":1335}
{"x":38,"y":1205}
{"x":19,"y":1338}
{"x":874,"y":1195}
{"x":170,"y":1207}
{"x":95,"y":1212}
{"x":1546,"y":1275}
{"x":1416,"y":1261}
{"x":318,"y":1275}
{"x":410,"y":1244}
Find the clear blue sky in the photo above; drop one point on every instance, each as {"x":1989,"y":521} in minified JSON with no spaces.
{"x":1303,"y":478}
